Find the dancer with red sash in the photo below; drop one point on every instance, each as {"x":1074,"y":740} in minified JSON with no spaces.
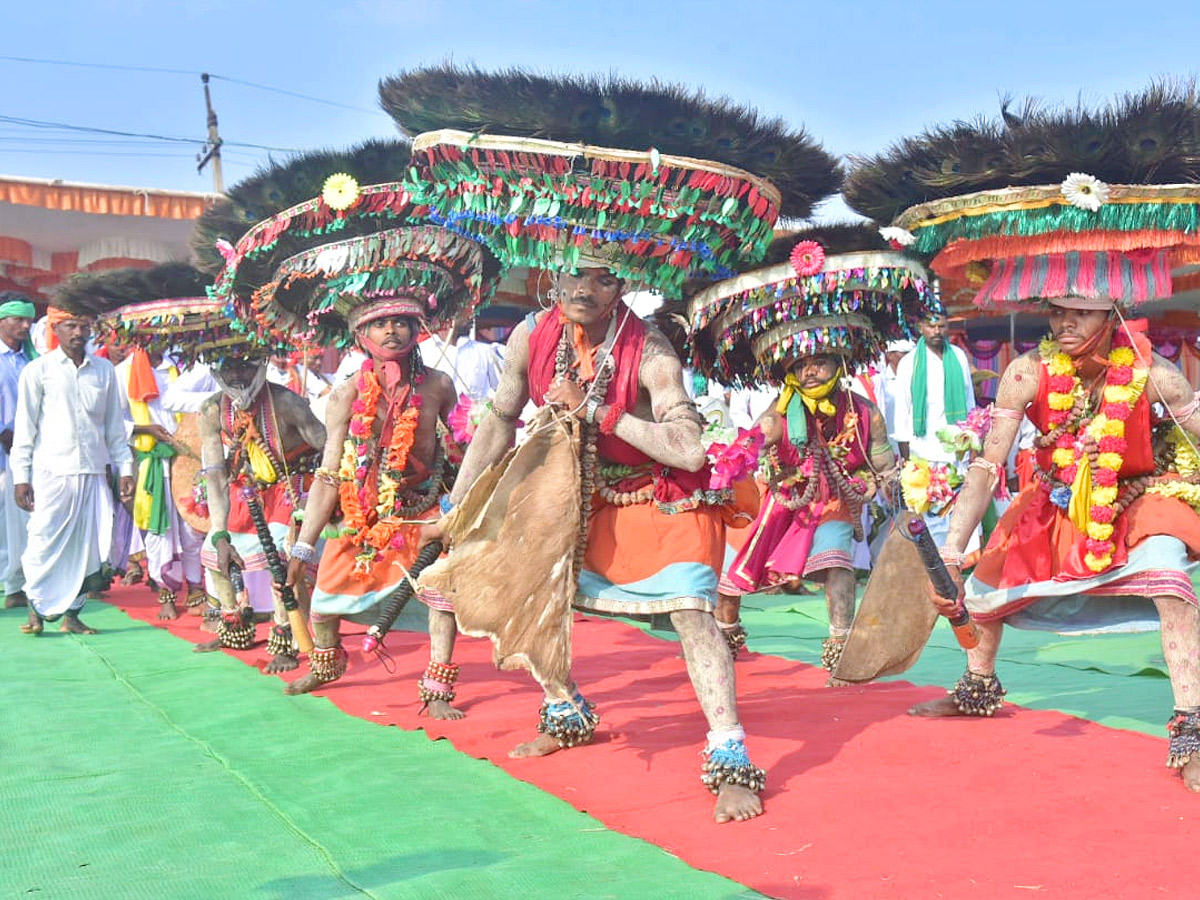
{"x":1107,"y":533}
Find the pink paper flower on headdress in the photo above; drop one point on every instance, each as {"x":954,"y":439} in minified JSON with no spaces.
{"x":226,"y":250}
{"x":808,"y":258}
{"x":735,"y":461}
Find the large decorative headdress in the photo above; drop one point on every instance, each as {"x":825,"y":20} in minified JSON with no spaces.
{"x":1094,"y":204}
{"x":655,"y":182}
{"x":163,"y":308}
{"x":830,"y":290}
{"x":312,"y":271}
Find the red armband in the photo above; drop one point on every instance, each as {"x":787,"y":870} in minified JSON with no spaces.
{"x":615,"y":411}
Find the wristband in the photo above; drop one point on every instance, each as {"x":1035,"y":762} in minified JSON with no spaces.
{"x":593,"y":407}
{"x":303,"y":552}
{"x":951,"y":557}
{"x":218,"y":536}
{"x":609,"y":425}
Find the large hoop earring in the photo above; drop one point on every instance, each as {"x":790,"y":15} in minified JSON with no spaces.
{"x":545,"y":301}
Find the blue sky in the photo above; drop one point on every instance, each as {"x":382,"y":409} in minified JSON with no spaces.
{"x":857,"y":74}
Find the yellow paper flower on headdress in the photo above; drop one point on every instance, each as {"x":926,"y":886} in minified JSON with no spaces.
{"x":340,"y":191}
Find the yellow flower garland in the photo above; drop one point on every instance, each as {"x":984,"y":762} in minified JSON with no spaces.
{"x":1069,"y":458}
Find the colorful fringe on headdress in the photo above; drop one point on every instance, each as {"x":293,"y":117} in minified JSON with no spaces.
{"x":659,"y":219}
{"x":430,"y":272}
{"x":748,"y":328}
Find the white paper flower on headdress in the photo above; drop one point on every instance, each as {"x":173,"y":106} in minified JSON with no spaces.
{"x":1084,"y":191}
{"x":897,"y":237}
{"x":808,"y":258}
{"x":340,"y":191}
{"x":332,"y":260}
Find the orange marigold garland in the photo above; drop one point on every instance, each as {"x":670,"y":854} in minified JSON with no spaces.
{"x":1092,"y":494}
{"x":374,"y":523}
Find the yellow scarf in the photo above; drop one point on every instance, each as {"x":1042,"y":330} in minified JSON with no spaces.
{"x":814,"y":401}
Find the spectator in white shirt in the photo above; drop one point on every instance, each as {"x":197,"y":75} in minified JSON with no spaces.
{"x":69,"y":428}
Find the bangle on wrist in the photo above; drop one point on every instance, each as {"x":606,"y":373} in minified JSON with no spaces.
{"x":303,"y":551}
{"x":951,"y":557}
{"x":615,"y":411}
{"x":218,"y":536}
{"x":591,"y":408}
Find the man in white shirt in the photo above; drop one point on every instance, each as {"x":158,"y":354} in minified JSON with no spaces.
{"x":68,"y":428}
{"x":933,"y":389}
{"x":172,"y":546}
{"x":16,"y":352}
{"x":940,"y":373}
{"x":474,"y":366}
{"x":187,"y":393}
{"x":886,"y":389}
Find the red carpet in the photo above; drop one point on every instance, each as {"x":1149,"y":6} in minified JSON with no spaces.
{"x":862,"y":800}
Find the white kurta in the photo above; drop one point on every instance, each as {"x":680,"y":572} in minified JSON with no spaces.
{"x":69,"y":427}
{"x":14,"y":521}
{"x":928,"y":446}
{"x":187,"y":393}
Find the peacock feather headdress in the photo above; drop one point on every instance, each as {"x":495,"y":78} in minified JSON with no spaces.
{"x":1048,"y":203}
{"x":654,"y":181}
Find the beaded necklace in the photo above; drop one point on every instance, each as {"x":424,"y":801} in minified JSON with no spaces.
{"x":819,"y":457}
{"x":564,"y":356}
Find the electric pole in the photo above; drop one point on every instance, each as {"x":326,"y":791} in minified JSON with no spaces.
{"x":212,"y":148}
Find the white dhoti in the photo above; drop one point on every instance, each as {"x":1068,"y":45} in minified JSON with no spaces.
{"x":70,"y":531}
{"x":173,"y":557}
{"x":14,"y":525}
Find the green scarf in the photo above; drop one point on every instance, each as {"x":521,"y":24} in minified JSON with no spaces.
{"x":153,"y":483}
{"x":954,"y":392}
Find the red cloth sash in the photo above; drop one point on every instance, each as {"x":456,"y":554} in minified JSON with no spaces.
{"x":669,"y":484}
{"x":623,"y":389}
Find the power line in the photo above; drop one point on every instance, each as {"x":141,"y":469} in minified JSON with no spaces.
{"x":130,"y":153}
{"x":36,"y":123}
{"x":63,"y":62}
{"x":157,"y":70}
{"x":274,"y":90}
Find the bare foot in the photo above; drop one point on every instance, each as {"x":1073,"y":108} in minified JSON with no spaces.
{"x":209,"y":626}
{"x":207,"y":646}
{"x":736,"y":802}
{"x":34,"y":625}
{"x":309,"y":682}
{"x":72,"y":624}
{"x":134,"y":574}
{"x":196,"y":603}
{"x":12,"y":601}
{"x":838,"y":682}
{"x":943,"y":706}
{"x":542,"y":745}
{"x":281,"y":662}
{"x":440,"y":709}
{"x":167,"y":611}
{"x":1191,"y":774}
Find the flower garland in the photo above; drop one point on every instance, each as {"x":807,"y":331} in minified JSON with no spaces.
{"x":1089,"y":460}
{"x":374,"y":526}
{"x":1185,"y":463}
{"x":928,"y":487}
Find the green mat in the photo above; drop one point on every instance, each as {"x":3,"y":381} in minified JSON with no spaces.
{"x":134,"y":768}
{"x":1119,"y":680}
